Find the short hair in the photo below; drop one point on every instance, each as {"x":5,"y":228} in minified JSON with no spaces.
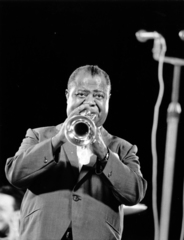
{"x":91,"y":69}
{"x":15,"y":193}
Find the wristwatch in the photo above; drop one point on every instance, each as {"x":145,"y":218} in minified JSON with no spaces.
{"x":106,"y":156}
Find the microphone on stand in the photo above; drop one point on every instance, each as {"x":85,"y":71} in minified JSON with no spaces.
{"x":181,"y":34}
{"x":159,"y":41}
{"x":159,"y":45}
{"x":143,"y":35}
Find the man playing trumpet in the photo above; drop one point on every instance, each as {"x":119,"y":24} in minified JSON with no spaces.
{"x":77,"y":191}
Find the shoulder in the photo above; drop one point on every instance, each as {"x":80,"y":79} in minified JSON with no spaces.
{"x":119,"y":145}
{"x":115,"y":141}
{"x":43,"y":132}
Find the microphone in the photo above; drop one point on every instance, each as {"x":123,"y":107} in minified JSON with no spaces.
{"x":143,"y":35}
{"x":181,"y":34}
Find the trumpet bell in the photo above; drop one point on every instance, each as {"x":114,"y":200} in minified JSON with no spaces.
{"x":80,"y":130}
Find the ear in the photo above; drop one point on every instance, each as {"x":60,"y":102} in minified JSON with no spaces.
{"x":109,"y":95}
{"x":108,"y":92}
{"x":66,"y":94}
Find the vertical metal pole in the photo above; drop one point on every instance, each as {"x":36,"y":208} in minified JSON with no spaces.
{"x":173,"y":114}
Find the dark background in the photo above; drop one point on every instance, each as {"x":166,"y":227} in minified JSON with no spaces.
{"x":41,"y":43}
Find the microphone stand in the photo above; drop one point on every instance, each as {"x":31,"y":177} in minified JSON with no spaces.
{"x":173,"y":114}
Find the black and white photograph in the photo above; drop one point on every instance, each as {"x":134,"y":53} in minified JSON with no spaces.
{"x":91,"y":120}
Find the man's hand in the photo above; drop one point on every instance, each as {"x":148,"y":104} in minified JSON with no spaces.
{"x":59,"y":139}
{"x":98,"y":147}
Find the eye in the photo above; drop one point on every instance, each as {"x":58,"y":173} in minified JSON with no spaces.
{"x":80,"y":94}
{"x":99,"y":96}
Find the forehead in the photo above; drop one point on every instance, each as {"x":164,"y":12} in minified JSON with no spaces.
{"x":6,"y":201}
{"x":96,"y":82}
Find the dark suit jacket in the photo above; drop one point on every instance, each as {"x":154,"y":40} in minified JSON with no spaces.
{"x":58,"y":194}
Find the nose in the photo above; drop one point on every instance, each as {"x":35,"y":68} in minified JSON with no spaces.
{"x":90,"y":100}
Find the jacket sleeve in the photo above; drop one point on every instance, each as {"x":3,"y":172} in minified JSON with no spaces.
{"x":32,"y":159}
{"x":123,"y":175}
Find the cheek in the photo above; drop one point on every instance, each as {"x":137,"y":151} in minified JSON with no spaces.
{"x":106,"y":106}
{"x":4,"y":216}
{"x":72,"y":104}
{"x":69,"y":102}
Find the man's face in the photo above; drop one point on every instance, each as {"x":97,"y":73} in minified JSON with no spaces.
{"x":6,"y":211}
{"x":91,"y":91}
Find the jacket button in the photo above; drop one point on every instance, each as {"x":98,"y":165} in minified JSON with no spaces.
{"x":110,"y":174}
{"x":76,"y":198}
{"x":45,"y":161}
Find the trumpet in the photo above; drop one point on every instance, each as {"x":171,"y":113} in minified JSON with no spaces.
{"x":80,"y":130}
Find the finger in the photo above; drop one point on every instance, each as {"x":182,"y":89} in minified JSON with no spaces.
{"x":83,"y":107}
{"x":74,"y":112}
{"x":93,"y":141}
{"x":79,"y":109}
